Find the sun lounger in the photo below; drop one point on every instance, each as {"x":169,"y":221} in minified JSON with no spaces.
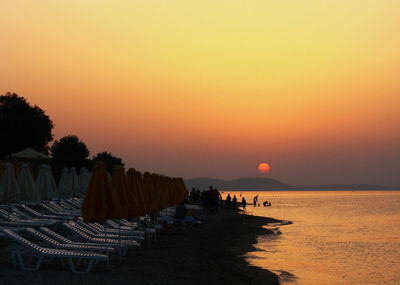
{"x":105,"y":239}
{"x":73,"y":202}
{"x":149,"y":232}
{"x":88,"y":230}
{"x":32,"y":249}
{"x":63,"y":239}
{"x":58,"y":211}
{"x":122,"y":243}
{"x":63,"y":207}
{"x":10,"y":219}
{"x":44,"y":216}
{"x":99,"y":229}
{"x":68,"y":246}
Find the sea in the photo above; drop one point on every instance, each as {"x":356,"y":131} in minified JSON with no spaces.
{"x":336,"y":237}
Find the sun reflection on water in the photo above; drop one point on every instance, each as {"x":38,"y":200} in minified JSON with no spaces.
{"x":337,"y":237}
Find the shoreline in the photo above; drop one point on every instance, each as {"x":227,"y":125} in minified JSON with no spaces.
{"x":209,"y":253}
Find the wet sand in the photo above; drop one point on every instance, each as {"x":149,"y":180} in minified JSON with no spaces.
{"x":210,"y":253}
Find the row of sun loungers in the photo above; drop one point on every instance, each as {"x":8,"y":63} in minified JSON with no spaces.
{"x":33,"y":251}
{"x":49,"y":230}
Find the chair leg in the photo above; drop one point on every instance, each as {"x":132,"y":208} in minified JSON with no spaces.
{"x":14,"y":258}
{"x":22,"y":264}
{"x":73,"y":269}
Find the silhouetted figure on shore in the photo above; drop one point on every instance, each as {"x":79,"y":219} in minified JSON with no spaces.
{"x":234,"y":202}
{"x":210,"y":200}
{"x":218,"y":199}
{"x":228,"y":200}
{"x":255,"y":201}
{"x":194,"y":196}
{"x":244,"y":203}
{"x":265,"y":204}
{"x":203,"y":201}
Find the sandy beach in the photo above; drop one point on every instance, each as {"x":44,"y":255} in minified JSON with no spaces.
{"x":210,"y":253}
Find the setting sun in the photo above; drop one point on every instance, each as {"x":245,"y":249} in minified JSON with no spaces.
{"x":264,"y":167}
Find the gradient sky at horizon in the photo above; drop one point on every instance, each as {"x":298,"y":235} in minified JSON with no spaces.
{"x":213,"y":88}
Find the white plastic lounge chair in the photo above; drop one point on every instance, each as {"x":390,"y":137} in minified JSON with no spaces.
{"x":99,"y":229}
{"x":148,"y":232}
{"x":61,"y":208}
{"x":122,"y":244}
{"x":11,"y":219}
{"x":63,"y":239}
{"x":68,"y":246}
{"x":104,"y":239}
{"x":59,"y":213}
{"x":43,"y":216}
{"x":33,"y":250}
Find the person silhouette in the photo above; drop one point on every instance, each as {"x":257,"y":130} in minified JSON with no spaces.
{"x":228,"y":200}
{"x":234,"y":201}
{"x":244,"y":203}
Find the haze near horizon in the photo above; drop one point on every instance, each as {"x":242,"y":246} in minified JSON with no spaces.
{"x":214,"y":88}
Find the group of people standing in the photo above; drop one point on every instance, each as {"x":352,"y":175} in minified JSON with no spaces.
{"x":233,"y":202}
{"x":211,"y":200}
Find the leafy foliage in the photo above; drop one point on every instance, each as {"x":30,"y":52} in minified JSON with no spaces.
{"x":22,"y":125}
{"x":69,"y":152}
{"x":109,"y":160}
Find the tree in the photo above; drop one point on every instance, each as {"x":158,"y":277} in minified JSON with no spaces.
{"x":109,"y":160}
{"x":68,"y":152}
{"x":22,"y":125}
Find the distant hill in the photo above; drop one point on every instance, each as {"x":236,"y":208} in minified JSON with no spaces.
{"x":258,"y":184}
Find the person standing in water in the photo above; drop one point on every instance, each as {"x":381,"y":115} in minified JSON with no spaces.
{"x":234,"y":201}
{"x":228,"y":200}
{"x":244,"y":203}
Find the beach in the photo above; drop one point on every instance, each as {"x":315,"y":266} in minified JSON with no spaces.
{"x":208,"y":253}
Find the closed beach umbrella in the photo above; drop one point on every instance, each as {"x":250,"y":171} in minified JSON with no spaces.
{"x":183,"y":190}
{"x":27,"y":187}
{"x":161,"y":194}
{"x":100,"y":202}
{"x":83,"y":180}
{"x":65,"y":185}
{"x":1,"y":170}
{"x":168,"y":188}
{"x":137,"y":193}
{"x":74,"y":181}
{"x":124,"y":192}
{"x":52,"y":183}
{"x":45,"y":183}
{"x":17,"y":168}
{"x":149,"y":190}
{"x":140,"y":187}
{"x":40,"y":181}
{"x":9,"y":186}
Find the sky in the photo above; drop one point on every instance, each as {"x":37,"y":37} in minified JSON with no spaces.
{"x":212,"y":88}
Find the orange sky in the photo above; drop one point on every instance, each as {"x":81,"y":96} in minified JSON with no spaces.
{"x":213,"y":88}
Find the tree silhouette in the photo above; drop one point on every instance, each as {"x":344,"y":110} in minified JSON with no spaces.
{"x":109,"y":160}
{"x":22,"y":125}
{"x":68,"y":152}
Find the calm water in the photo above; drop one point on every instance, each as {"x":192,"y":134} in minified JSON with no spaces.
{"x":337,"y":237}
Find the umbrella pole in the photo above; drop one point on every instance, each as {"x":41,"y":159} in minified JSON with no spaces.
{"x":119,"y":242}
{"x":131,"y":232}
{"x":108,"y":257}
{"x":25,"y":210}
